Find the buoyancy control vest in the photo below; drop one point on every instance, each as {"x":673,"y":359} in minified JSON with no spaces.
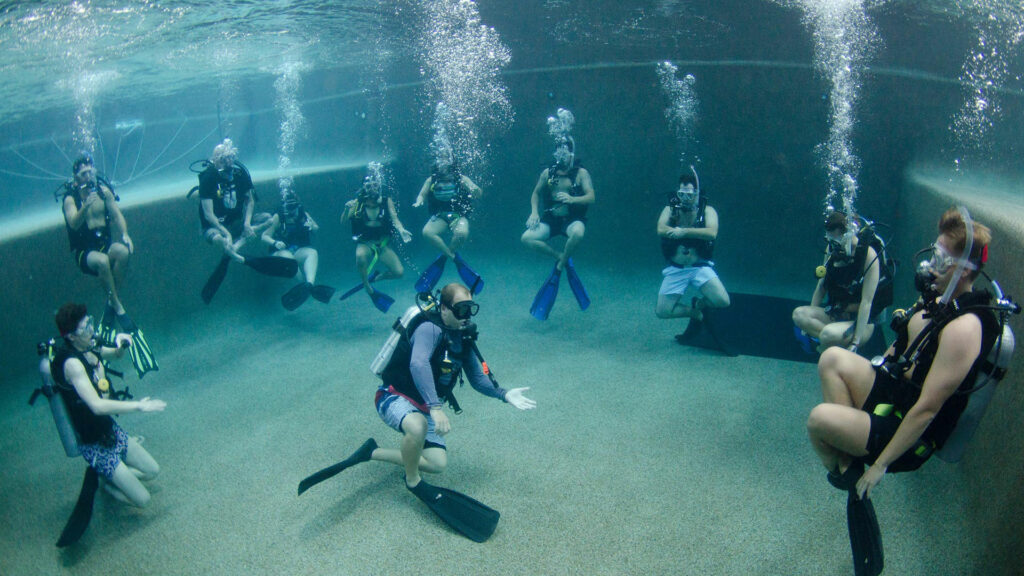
{"x":88,"y":426}
{"x":844,"y":276}
{"x":446,"y":360}
{"x":703,"y":248}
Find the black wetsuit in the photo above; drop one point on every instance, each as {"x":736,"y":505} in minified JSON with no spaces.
{"x":229,"y":197}
{"x":901,"y":394}
{"x":559,"y":215}
{"x":293,"y":230}
{"x":372,"y":230}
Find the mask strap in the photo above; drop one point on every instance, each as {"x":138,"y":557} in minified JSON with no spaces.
{"x":962,"y":262}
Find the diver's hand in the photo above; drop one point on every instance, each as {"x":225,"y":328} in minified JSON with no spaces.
{"x":128,"y":242}
{"x":91,"y":199}
{"x":418,"y":202}
{"x":313,"y":227}
{"x":250,"y":232}
{"x":872,"y":476}
{"x":122,"y":342}
{"x":405,"y":235}
{"x":564,"y":197}
{"x":677,"y":233}
{"x":149,"y":405}
{"x":515,"y":397}
{"x":441,"y":424}
{"x":533,"y":221}
{"x":279,"y":245}
{"x":351,"y":203}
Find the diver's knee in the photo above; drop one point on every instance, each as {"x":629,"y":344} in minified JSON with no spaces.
{"x":415,"y":425}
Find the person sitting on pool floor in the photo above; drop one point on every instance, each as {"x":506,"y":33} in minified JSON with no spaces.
{"x":688,"y":228}
{"x":844,"y":304}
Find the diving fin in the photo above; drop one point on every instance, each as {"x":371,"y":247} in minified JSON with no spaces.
{"x":381,"y":300}
{"x":322,"y":293}
{"x":140,"y":353}
{"x":297,"y":296}
{"x":274,"y":266}
{"x":82,"y":513}
{"x":582,"y":298}
{"x":467,"y":516}
{"x":359,"y":286}
{"x":545,"y":299}
{"x":215,"y":280}
{"x":865,"y":536}
{"x":430,"y":276}
{"x":361,"y":455}
{"x":106,"y":331}
{"x":473,"y":280}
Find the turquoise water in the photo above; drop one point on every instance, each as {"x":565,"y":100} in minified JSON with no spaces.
{"x":644,"y":457}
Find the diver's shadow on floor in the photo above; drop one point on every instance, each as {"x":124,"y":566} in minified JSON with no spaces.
{"x":330,"y":518}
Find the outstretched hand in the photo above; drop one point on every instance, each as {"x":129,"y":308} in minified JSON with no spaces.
{"x":515,"y":397}
{"x":149,"y":405}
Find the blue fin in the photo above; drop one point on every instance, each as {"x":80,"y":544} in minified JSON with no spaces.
{"x":431,"y":274}
{"x":359,"y":286}
{"x":545,"y":299}
{"x":473,"y":280}
{"x":582,"y":298}
{"x":381,"y":300}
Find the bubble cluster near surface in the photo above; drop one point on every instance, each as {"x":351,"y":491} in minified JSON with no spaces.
{"x":844,"y":40}
{"x":1000,"y":30}
{"x":463,"y":60}
{"x":682,"y":108}
{"x":286,"y":101}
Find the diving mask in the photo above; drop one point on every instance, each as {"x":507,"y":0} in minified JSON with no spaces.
{"x":688,"y":196}
{"x":465,"y":310}
{"x":941,"y":260}
{"x":840,"y":244}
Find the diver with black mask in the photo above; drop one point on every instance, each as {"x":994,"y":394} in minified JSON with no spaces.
{"x":894,"y":412}
{"x":688,"y":228}
{"x":375,"y":223}
{"x":433,"y":347}
{"x":290,"y":235}
{"x":844,"y":307}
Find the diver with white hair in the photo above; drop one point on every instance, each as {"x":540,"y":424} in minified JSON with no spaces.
{"x":688,"y":228}
{"x":226,"y":201}
{"x":226,"y":204}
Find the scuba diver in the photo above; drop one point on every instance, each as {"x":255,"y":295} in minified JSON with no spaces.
{"x":688,"y":228}
{"x":374,"y":220}
{"x":854,"y":287}
{"x":290,"y":236}
{"x":449,"y":195}
{"x":226,"y":204}
{"x":80,"y":378}
{"x":558,"y":207}
{"x":101,"y":247}
{"x":432,"y":346}
{"x":892,"y":413}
